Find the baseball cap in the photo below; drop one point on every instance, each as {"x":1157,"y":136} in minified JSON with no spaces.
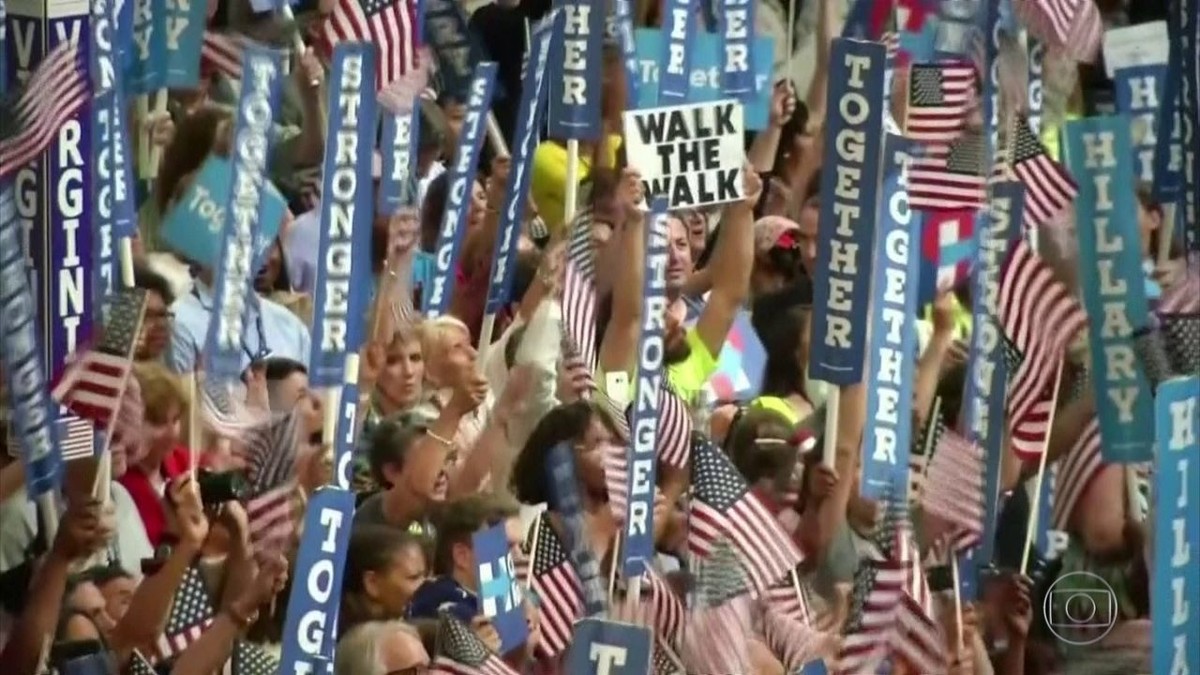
{"x":775,"y":232}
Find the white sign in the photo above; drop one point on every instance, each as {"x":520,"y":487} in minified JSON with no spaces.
{"x":690,"y":154}
{"x":1142,"y":45}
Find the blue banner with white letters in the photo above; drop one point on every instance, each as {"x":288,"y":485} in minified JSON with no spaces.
{"x":679,"y":29}
{"x":112,"y":187}
{"x":575,"y":83}
{"x":31,"y":411}
{"x":401,"y":153}
{"x":849,"y":186}
{"x":343,"y":282}
{"x":525,"y":138}
{"x":183,"y":30}
{"x":1184,"y":15}
{"x":310,"y":628}
{"x":347,"y":431}
{"x":450,"y":39}
{"x":1112,"y":282}
{"x":1037,"y":57}
{"x":1176,"y":570}
{"x":990,"y":96}
{"x":262,"y":75}
{"x":1168,"y":153}
{"x":1139,"y":93}
{"x":148,"y":67}
{"x":987,"y":377}
{"x":500,"y":598}
{"x":461,"y":176}
{"x":893,"y":316}
{"x":737,"y":33}
{"x":638,"y":545}
{"x":600,"y":647}
{"x":565,"y":500}
{"x":623,"y":27}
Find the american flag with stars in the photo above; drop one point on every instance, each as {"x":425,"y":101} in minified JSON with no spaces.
{"x":460,"y":652}
{"x":1049,"y":188}
{"x":270,"y":455}
{"x":251,"y":659}
{"x":223,"y":410}
{"x":954,"y":490}
{"x":553,"y":579}
{"x":191,"y":613}
{"x":94,"y":382}
{"x":1039,"y":319}
{"x":389,"y":24}
{"x":722,"y":506}
{"x":665,"y":660}
{"x":939,"y":97}
{"x":948,"y":176}
{"x":54,"y":93}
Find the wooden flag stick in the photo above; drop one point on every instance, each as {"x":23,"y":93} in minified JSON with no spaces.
{"x":958,"y":605}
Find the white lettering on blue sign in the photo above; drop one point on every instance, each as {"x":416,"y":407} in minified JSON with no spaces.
{"x":318,"y":583}
{"x":1121,"y":372}
{"x":994,"y":242}
{"x":104,"y":73}
{"x":1176,"y":522}
{"x":737,"y":36}
{"x":143,"y":27}
{"x":606,"y":656}
{"x":855,"y":108}
{"x":1143,"y":113}
{"x":992,"y":53}
{"x":680,"y":18}
{"x":107,"y":179}
{"x":1037,"y":54}
{"x":176,"y":21}
{"x":575,"y":57}
{"x":70,"y":202}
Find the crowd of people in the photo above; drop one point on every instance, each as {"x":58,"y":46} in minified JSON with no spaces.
{"x":455,"y":436}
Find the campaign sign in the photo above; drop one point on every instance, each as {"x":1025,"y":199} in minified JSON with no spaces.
{"x":148,"y":68}
{"x":1175,"y":611}
{"x":600,"y":647}
{"x":887,"y":437}
{"x":192,"y":227}
{"x":705,"y":58}
{"x":31,"y":412}
{"x":691,"y":155}
{"x":849,"y":189}
{"x":310,"y":629}
{"x":1139,"y":91}
{"x":984,"y":395}
{"x":340,"y":299}
{"x":398,"y":176}
{"x":1187,"y":31}
{"x":448,"y":34}
{"x":679,"y":26}
{"x":1168,"y":152}
{"x":1037,"y":57}
{"x":564,"y":490}
{"x":1050,"y":543}
{"x":347,"y":427}
{"x":638,"y":548}
{"x":623,"y":30}
{"x":737,"y":32}
{"x":183,"y":25}
{"x":992,"y":30}
{"x":1114,"y":292}
{"x":575,"y":82}
{"x":112,"y":203}
{"x":525,"y":137}
{"x":262,"y":73}
{"x":458,"y":194}
{"x":499,"y":593}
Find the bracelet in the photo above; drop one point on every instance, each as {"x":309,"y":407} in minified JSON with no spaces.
{"x":440,"y":439}
{"x":241,"y":619}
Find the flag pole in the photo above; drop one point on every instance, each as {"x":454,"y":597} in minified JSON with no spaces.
{"x":1035,"y":504}
{"x":958,"y":614}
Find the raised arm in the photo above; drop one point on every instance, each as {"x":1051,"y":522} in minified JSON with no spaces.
{"x":733,"y":258}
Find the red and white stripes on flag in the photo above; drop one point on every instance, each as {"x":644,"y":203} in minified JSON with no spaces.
{"x":1049,"y":187}
{"x":918,"y":637}
{"x":1182,"y":298}
{"x":579,"y":292}
{"x":222,"y":53}
{"x":717,"y":638}
{"x":1086,"y":34}
{"x":722,"y":506}
{"x":954,"y":485}
{"x":1050,"y":21}
{"x":552,"y":576}
{"x":271,"y":521}
{"x":388,"y":24}
{"x":55,"y":92}
{"x":658,"y":609}
{"x":673,"y":443}
{"x":1039,"y":318}
{"x":879,"y":589}
{"x":77,"y":438}
{"x":1075,"y":473}
{"x":403,"y":93}
{"x":794,"y":642}
{"x":939,"y":97}
{"x":948,"y":176}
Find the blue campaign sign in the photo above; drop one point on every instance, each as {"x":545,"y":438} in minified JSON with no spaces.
{"x":737,"y":33}
{"x":310,"y":628}
{"x":32,"y":413}
{"x":398,"y":177}
{"x":1176,"y":574}
{"x":499,"y":593}
{"x":1168,"y":152}
{"x":849,"y":186}
{"x":192,"y":227}
{"x":347,"y":428}
{"x":679,"y":28}
{"x":1186,"y":29}
{"x":565,"y":499}
{"x":1035,"y":102}
{"x":623,"y":28}
{"x":343,"y":281}
{"x":705,"y":57}
{"x":450,"y":38}
{"x":987,"y":377}
{"x":183,"y":33}
{"x":893,"y":312}
{"x":600,"y":647}
{"x":109,"y":167}
{"x":1139,"y":94}
{"x":992,"y":31}
{"x":525,"y":137}
{"x":262,"y":75}
{"x":575,"y":81}
{"x":461,"y":174}
{"x":638,"y":548}
{"x":1114,"y":293}
{"x":148,"y":66}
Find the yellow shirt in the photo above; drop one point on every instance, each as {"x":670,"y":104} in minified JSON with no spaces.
{"x":777,"y":405}
{"x":687,"y":377}
{"x":548,"y":182}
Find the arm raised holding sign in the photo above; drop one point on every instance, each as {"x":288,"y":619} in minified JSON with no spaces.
{"x":618,"y":346}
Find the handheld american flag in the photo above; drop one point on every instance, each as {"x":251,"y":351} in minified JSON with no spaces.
{"x":579,"y":292}
{"x":94,"y":383}
{"x":1049,"y":20}
{"x":55,"y":92}
{"x":388,"y":24}
{"x":191,"y":612}
{"x":557,"y":585}
{"x":460,"y":652}
{"x":1049,"y":188}
{"x":939,"y":97}
{"x":954,"y":486}
{"x":1075,"y":473}
{"x":723,"y":506}
{"x":948,"y":176}
{"x":674,"y":439}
